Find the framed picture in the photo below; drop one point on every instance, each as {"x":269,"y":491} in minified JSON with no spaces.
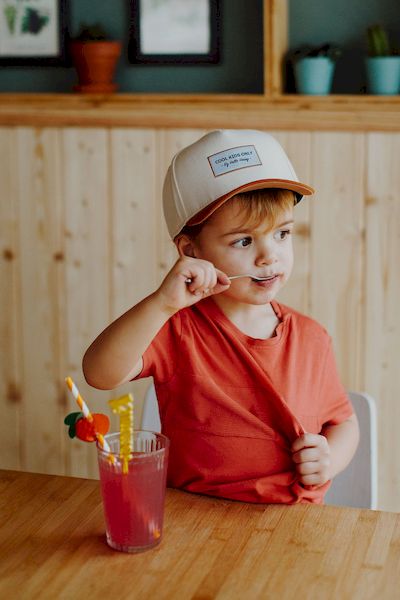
{"x":174,"y":31}
{"x":33,"y":32}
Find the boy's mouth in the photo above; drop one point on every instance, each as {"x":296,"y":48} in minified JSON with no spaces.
{"x":261,"y":279}
{"x":265,"y":281}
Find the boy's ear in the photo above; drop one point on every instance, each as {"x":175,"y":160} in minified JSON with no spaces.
{"x":185,"y":246}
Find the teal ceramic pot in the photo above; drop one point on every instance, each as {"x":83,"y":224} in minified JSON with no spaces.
{"x":383,"y":74}
{"x":314,"y":75}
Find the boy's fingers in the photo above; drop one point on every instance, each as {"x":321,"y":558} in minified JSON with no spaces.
{"x":313,"y":479}
{"x":197,"y":281}
{"x":306,"y":454}
{"x":223,"y":278}
{"x":308,"y":468}
{"x":308,"y":440}
{"x":206,"y":283}
{"x":298,"y":444}
{"x":211,"y":280}
{"x":217,"y":289}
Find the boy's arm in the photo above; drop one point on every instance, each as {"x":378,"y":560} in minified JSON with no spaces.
{"x":115,"y":356}
{"x":319,"y":458}
{"x":343,"y":441}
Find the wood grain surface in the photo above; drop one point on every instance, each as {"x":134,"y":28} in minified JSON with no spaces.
{"x":52,"y":545}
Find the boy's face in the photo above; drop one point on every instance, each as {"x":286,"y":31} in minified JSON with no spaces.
{"x":237,"y":249}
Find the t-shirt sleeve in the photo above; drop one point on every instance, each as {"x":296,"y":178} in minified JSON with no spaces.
{"x":160,"y":358}
{"x":335,"y":401}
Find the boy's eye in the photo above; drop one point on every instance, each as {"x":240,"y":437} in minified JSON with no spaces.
{"x":283,"y":234}
{"x":242,"y":243}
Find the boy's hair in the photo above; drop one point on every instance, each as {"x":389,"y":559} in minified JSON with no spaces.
{"x":256,"y":207}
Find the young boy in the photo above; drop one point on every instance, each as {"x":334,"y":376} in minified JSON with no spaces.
{"x":247,"y":388}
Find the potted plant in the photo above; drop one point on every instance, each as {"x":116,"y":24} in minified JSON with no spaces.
{"x":383,"y":63}
{"x":95,"y":57}
{"x":314,"y":68}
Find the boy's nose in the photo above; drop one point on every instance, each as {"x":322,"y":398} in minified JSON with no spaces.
{"x":270,"y":260}
{"x":266,"y":256}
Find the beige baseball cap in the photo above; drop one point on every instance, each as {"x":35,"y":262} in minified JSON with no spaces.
{"x":225,"y":162}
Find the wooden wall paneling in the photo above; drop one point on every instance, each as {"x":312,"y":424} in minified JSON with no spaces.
{"x":10,"y":308}
{"x":170,"y":142}
{"x":382,"y":293}
{"x":296,"y":293}
{"x":86,"y":192}
{"x":337,"y":245}
{"x":39,"y":199}
{"x":78,"y":195}
{"x":134,"y":220}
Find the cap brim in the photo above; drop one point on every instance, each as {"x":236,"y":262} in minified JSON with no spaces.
{"x":262,"y":184}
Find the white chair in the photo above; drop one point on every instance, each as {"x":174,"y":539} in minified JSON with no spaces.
{"x":150,"y":414}
{"x":356,"y":485}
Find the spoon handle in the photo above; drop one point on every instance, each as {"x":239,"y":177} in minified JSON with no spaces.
{"x":189,"y":280}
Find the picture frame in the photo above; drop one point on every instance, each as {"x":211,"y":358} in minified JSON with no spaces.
{"x":33,"y":33}
{"x":193,"y":26}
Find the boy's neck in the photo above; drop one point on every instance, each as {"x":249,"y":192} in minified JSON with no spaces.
{"x":255,"y":320}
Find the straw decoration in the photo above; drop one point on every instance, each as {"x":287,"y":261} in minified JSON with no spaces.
{"x":123,"y":407}
{"x":88,"y":415}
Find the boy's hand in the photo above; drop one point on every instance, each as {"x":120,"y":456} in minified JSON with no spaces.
{"x":176,"y":294}
{"x":311,"y":454}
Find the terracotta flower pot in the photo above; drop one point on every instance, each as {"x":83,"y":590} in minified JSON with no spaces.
{"x":95,"y":62}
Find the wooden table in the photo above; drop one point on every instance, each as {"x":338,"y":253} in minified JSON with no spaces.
{"x":52,"y":545}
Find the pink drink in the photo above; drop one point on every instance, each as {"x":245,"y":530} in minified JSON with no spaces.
{"x":134,"y":502}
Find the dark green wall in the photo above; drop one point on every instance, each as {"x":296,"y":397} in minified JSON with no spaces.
{"x":343,"y":22}
{"x":241,"y":70}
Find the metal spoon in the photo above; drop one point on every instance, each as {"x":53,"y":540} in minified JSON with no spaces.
{"x":237,"y":277}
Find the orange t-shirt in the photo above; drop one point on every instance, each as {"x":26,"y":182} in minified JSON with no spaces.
{"x":232,"y":405}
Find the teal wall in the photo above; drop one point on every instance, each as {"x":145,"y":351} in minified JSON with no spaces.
{"x":240,"y":70}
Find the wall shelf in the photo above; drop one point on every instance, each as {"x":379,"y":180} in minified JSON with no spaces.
{"x":294,"y":112}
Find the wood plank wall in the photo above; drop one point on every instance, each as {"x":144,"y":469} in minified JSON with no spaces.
{"x":83,"y":238}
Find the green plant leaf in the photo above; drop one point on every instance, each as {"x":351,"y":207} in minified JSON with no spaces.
{"x":378,"y":41}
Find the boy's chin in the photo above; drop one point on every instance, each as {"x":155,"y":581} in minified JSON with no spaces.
{"x":255,"y":299}
{"x":260,"y":301}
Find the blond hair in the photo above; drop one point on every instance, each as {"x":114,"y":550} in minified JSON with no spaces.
{"x":256,"y":206}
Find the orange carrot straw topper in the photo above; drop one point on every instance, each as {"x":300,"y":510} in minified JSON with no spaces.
{"x":123,"y":407}
{"x":90,"y":420}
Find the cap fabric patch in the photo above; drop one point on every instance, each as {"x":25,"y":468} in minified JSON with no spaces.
{"x":233,"y":159}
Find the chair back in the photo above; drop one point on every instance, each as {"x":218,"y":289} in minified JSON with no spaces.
{"x":357,"y":485}
{"x":150,"y":414}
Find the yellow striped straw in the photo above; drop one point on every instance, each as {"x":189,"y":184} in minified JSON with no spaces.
{"x":123,"y":407}
{"x":88,"y":415}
